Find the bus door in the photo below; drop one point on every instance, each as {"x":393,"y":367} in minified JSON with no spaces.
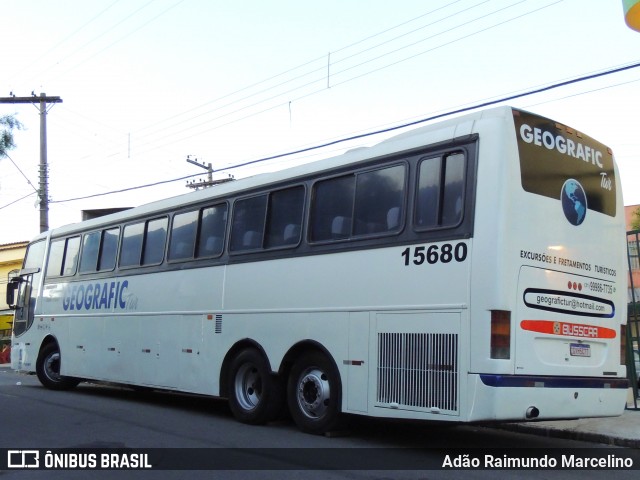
{"x":21,"y":297}
{"x":22,"y":292}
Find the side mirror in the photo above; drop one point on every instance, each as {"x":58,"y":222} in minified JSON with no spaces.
{"x":12,"y":289}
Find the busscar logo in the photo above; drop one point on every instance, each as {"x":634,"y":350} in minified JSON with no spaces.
{"x":23,"y":459}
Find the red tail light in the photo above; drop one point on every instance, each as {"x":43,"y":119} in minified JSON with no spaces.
{"x":500,"y":334}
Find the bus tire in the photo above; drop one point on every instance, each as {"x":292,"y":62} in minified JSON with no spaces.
{"x":255,"y":394}
{"x":48,"y":369}
{"x":314,"y":394}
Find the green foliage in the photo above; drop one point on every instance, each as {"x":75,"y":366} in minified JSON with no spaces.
{"x":635,"y":219}
{"x":8,"y":123}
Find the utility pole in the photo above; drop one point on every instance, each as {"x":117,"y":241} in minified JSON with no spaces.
{"x":43,"y":191}
{"x":209,"y":182}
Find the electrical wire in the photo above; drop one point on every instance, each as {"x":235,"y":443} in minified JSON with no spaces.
{"x":152,"y":144}
{"x":125,"y":36}
{"x":267,"y":89}
{"x":21,"y":172}
{"x":71,"y":35}
{"x":441,"y":115}
{"x":386,"y":130}
{"x":18,"y":200}
{"x":128,"y":189}
{"x":100,"y":35}
{"x":293,"y":69}
{"x":175,"y":133}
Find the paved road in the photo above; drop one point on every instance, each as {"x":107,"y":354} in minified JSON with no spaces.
{"x":101,"y":416}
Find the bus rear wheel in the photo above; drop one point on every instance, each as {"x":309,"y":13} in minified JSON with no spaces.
{"x":48,"y":369}
{"x":255,"y":394}
{"x":314,"y":393}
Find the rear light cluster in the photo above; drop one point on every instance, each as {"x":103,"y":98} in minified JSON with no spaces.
{"x":623,"y":344}
{"x":500,"y":334}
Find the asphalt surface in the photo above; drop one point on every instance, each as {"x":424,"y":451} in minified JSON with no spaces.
{"x":622,"y":431}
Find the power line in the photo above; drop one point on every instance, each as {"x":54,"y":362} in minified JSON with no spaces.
{"x":441,"y":45}
{"x":441,"y":115}
{"x":125,"y":36}
{"x":71,"y":35}
{"x":153,"y":143}
{"x":128,"y":189}
{"x":298,"y":67}
{"x":465,"y":10}
{"x":99,"y":36}
{"x":18,"y":200}
{"x":319,"y":70}
{"x":21,"y":172}
{"x":85,"y":44}
{"x":385,"y":130}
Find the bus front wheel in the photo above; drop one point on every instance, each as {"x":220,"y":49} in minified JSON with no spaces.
{"x":313,"y":394}
{"x":48,"y":369}
{"x":255,"y":394}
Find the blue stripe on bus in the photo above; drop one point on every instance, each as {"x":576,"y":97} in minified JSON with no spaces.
{"x":552,"y":382}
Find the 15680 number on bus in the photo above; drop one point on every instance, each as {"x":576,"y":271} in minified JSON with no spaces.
{"x":433,"y":254}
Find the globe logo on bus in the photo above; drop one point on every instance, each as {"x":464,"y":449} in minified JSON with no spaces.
{"x":574,"y":201}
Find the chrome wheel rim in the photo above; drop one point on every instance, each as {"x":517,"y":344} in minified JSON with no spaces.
{"x":248,"y":386}
{"x":314,"y":393}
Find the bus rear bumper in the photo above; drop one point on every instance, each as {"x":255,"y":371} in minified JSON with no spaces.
{"x":527,"y":397}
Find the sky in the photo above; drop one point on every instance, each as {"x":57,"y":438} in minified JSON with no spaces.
{"x":146,"y":84}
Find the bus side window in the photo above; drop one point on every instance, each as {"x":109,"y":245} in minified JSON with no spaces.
{"x":379,"y":196}
{"x":154,"y":241}
{"x":332,"y":208}
{"x":183,"y":235}
{"x":131,"y":249}
{"x":71,"y":256}
{"x":63,"y":257}
{"x":143,"y":243}
{"x":284,"y":217}
{"x":213,"y":222}
{"x":248,"y":223}
{"x":56,"y":257}
{"x":109,"y":249}
{"x":453,"y":190}
{"x":357,"y":205}
{"x":90,"y":250}
{"x":440,"y":192}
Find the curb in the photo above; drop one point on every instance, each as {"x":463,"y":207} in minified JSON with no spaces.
{"x":583,"y":436}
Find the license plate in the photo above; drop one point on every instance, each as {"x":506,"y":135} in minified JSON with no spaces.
{"x":579,"y":350}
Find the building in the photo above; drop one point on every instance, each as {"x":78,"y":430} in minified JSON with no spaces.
{"x":633,"y":249}
{"x":633,"y":244}
{"x":11,"y":255}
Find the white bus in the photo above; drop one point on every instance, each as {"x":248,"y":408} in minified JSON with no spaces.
{"x":469,"y":270}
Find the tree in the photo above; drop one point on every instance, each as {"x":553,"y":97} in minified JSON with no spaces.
{"x":635,"y":219}
{"x":7,"y":124}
